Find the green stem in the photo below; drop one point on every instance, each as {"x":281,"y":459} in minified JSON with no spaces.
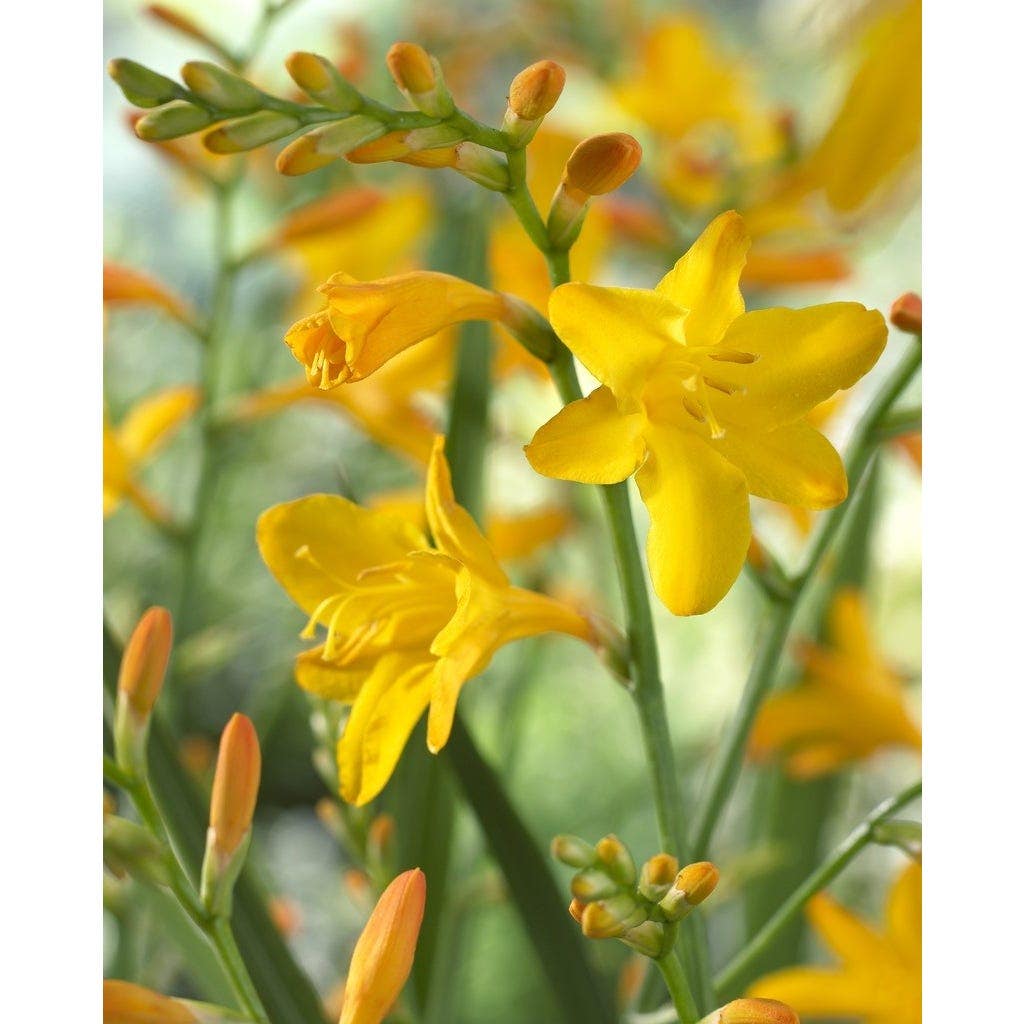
{"x":223,"y":941}
{"x":845,"y":852}
{"x":678,"y":988}
{"x":726,"y":769}
{"x":898,"y":423}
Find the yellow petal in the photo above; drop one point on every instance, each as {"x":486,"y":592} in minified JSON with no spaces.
{"x":589,"y":441}
{"x":850,"y":628}
{"x":123,"y":286}
{"x":706,"y":281}
{"x":807,"y":711}
{"x":520,"y":535}
{"x":153,"y":419}
{"x":903,"y":915}
{"x":700,"y":520}
{"x":794,"y":464}
{"x":816,"y":759}
{"x":317,"y":546}
{"x":127,"y":1003}
{"x":804,"y":357}
{"x":819,"y":992}
{"x":389,"y":705}
{"x":850,"y":938}
{"x":454,"y":531}
{"x":326,"y":679}
{"x":618,"y":334}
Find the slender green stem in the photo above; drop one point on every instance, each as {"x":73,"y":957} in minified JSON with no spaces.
{"x":726,"y":769}
{"x":678,"y":988}
{"x":223,"y":941}
{"x":898,"y":423}
{"x":727,"y":979}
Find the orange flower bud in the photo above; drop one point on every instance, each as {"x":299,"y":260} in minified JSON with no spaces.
{"x":235,"y":785}
{"x":752,"y":1011}
{"x":692,"y":886}
{"x":612,"y":917}
{"x":657,"y":875}
{"x":411,"y":68}
{"x":602,"y":163}
{"x":123,"y":286}
{"x":535,"y":90}
{"x":319,"y":78}
{"x":906,"y":313}
{"x":125,"y":1003}
{"x":576,"y":908}
{"x":616,"y":859}
{"x":384,"y":953}
{"x":176,"y":20}
{"x":144,"y":662}
{"x":323,"y":145}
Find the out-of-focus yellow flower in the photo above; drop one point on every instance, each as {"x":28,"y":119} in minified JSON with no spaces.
{"x":125,"y":1003}
{"x":849,"y":704}
{"x":512,"y":536}
{"x":383,"y":956}
{"x":699,"y":101}
{"x":386,"y":405}
{"x":878,"y":980}
{"x":407,"y":624}
{"x":127,"y":447}
{"x":367,"y":323}
{"x":123,"y":286}
{"x":752,"y":1011}
{"x":706,"y":404}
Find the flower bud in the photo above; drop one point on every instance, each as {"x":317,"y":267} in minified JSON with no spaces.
{"x":592,"y":884}
{"x":904,"y":834}
{"x":534,"y":91}
{"x":610,"y":918}
{"x":573,"y":851}
{"x":535,"y":334}
{"x":752,"y":1011}
{"x":417,"y":74}
{"x":250,"y":132}
{"x":236,"y":783}
{"x":383,"y":956}
{"x":171,"y":121}
{"x":576,"y":908}
{"x":319,"y":79}
{"x":905,"y":314}
{"x":657,"y":875}
{"x":647,"y":938}
{"x":183,"y":24}
{"x":129,"y":848}
{"x":482,"y":166}
{"x":125,"y":1003}
{"x":141,"y":86}
{"x":323,"y":145}
{"x":692,"y":886}
{"x":616,"y":860}
{"x":380,"y":838}
{"x":220,"y":88}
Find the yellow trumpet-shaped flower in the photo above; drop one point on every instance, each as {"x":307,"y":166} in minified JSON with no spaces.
{"x":878,"y":980}
{"x":706,"y":404}
{"x":366,"y":324}
{"x":407,"y":623}
{"x":383,"y":956}
{"x":129,"y":446}
{"x":849,"y":704}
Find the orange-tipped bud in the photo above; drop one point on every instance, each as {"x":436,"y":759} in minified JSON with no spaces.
{"x":752,"y":1011}
{"x":251,"y":132}
{"x":602,"y":163}
{"x":235,"y":785}
{"x":144,"y":663}
{"x":692,"y":886}
{"x":616,"y":860}
{"x":906,"y":313}
{"x":482,"y":166}
{"x":411,"y":68}
{"x":183,"y":24}
{"x":171,"y":121}
{"x":573,"y":851}
{"x":125,"y":1003}
{"x":610,"y":918}
{"x":384,"y":953}
{"x":592,"y":884}
{"x":535,"y":90}
{"x":324,"y":145}
{"x":220,"y":88}
{"x":657,"y":875}
{"x":576,"y":908}
{"x":317,"y":77}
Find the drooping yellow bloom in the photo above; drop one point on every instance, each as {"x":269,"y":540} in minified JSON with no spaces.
{"x":407,"y":623}
{"x":878,"y":980}
{"x":127,"y":447}
{"x":849,"y":705}
{"x":384,"y":954}
{"x":706,"y":404}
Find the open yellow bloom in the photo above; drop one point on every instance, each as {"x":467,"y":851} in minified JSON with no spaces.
{"x":879,"y":977}
{"x":407,"y":623}
{"x":849,"y":704}
{"x":366,"y":324}
{"x":706,"y":404}
{"x":127,"y":447}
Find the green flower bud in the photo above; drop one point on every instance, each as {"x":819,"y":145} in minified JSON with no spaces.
{"x":220,"y":88}
{"x":319,"y":79}
{"x":616,"y":859}
{"x":130,"y":849}
{"x":592,"y":884}
{"x":250,"y":132}
{"x":573,"y":851}
{"x":141,"y":86}
{"x":176,"y":119}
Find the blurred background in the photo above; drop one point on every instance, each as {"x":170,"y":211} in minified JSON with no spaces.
{"x":738,"y":104}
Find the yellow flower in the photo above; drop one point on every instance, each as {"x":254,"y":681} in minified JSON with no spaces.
{"x":386,"y":405}
{"x":128,"y":446}
{"x":123,"y":286}
{"x":879,"y":977}
{"x":366,"y":324}
{"x":849,"y":705}
{"x":706,"y":404}
{"x":407,"y":624}
{"x":126,"y":1003}
{"x":383,"y":956}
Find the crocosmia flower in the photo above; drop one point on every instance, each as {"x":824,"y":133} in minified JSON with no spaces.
{"x":406,"y":623}
{"x":706,"y":404}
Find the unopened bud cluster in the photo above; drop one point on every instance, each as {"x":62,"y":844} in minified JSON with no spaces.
{"x":613,"y":900}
